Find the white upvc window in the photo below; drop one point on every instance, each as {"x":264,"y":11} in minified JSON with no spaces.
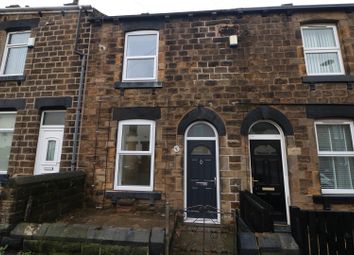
{"x":141,"y":56}
{"x":336,"y":156}
{"x":135,"y":155}
{"x":15,"y":52}
{"x":322,"y":50}
{"x":7,"y":125}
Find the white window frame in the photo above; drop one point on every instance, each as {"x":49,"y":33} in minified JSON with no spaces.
{"x":154,"y":57}
{"x":6,"y":51}
{"x":7,"y":130}
{"x":150,"y":152}
{"x":323,"y":50}
{"x":335,"y":153}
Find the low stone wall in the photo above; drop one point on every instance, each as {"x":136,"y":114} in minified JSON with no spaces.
{"x":83,"y":239}
{"x":41,"y":198}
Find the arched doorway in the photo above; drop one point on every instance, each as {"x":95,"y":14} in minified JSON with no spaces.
{"x":269,"y":175}
{"x":201,"y":173}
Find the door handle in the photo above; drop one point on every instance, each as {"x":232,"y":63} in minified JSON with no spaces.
{"x":255,"y":181}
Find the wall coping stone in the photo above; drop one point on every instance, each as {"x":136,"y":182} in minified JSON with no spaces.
{"x":27,"y":180}
{"x":89,"y":233}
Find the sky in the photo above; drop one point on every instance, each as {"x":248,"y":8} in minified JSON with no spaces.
{"x":126,"y":7}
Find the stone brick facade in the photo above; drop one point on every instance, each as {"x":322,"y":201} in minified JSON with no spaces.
{"x":52,"y":71}
{"x":197,"y":67}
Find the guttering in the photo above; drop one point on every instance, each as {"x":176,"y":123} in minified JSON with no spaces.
{"x":253,"y":10}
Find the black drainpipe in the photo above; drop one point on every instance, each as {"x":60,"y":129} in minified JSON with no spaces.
{"x":83,"y":57}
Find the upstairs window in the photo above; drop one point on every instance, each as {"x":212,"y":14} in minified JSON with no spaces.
{"x":322,"y":50}
{"x":336,"y":156}
{"x":140,"y":56}
{"x":15,"y":52}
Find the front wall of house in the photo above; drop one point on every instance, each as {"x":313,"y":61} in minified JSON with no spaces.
{"x":52,"y":71}
{"x":198,"y":68}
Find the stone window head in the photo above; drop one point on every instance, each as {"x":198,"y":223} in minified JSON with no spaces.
{"x":322,"y":50}
{"x":140,"y":56}
{"x":15,"y":52}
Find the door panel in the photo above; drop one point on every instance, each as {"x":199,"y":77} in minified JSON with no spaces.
{"x":267,"y":173}
{"x":201,"y":179}
{"x":49,"y":151}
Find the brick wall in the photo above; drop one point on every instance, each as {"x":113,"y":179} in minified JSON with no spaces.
{"x":41,"y":198}
{"x":52,"y":69}
{"x":197,"y":67}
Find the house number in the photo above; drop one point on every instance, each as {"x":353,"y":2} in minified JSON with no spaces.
{"x":201,"y":162}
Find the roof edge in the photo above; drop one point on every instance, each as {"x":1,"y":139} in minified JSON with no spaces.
{"x":46,"y":9}
{"x":261,"y":10}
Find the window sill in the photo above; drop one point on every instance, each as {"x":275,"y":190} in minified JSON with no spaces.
{"x":312,"y":79}
{"x":17,"y":78}
{"x":147,"y":195}
{"x":328,"y":199}
{"x":4,"y":178}
{"x":137,"y":85}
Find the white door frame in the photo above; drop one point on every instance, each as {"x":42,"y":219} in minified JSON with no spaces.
{"x":284,"y":160}
{"x":216,"y":139}
{"x":42,"y":129}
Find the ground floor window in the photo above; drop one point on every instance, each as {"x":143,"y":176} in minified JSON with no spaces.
{"x":135,"y":155}
{"x":7,"y":125}
{"x":336,"y":155}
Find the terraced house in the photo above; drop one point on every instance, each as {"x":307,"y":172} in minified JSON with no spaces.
{"x":192,"y":108}
{"x":43,"y":61}
{"x":181,"y":108}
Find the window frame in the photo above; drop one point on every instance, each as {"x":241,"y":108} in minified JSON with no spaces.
{"x":8,"y":130}
{"x":11,"y":46}
{"x":336,"y":49}
{"x":150,"y":152}
{"x":334,"y":153}
{"x":126,"y":57}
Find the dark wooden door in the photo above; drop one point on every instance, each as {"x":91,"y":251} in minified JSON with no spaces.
{"x":201,"y":180}
{"x":267,"y":173}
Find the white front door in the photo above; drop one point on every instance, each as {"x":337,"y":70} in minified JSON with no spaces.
{"x":50,"y":142}
{"x":49,"y":151}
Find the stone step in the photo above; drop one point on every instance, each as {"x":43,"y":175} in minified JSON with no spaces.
{"x":267,"y":243}
{"x":282,"y":228}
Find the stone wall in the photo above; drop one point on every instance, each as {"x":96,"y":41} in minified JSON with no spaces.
{"x":197,"y":67}
{"x":88,"y":239}
{"x":41,"y":198}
